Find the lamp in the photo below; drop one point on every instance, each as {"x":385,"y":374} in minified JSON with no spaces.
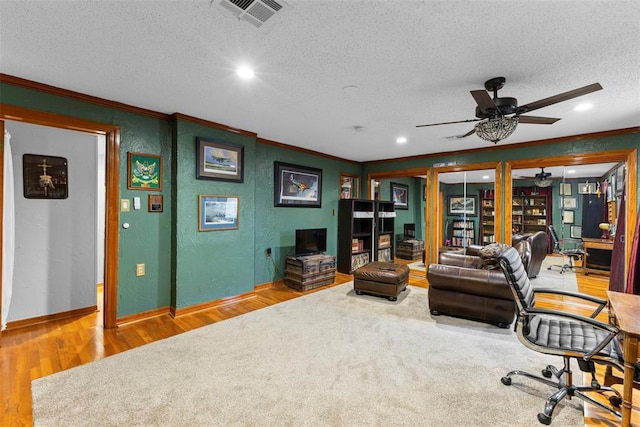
{"x":496,"y":129}
{"x":543,"y":182}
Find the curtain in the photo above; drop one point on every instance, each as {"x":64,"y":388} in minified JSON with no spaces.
{"x":8,"y":230}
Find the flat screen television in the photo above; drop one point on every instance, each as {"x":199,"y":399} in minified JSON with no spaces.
{"x":310,"y":241}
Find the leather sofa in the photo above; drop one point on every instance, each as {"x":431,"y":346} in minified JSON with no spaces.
{"x":539,"y":247}
{"x":471,"y":286}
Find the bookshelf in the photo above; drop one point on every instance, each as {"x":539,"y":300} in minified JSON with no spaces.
{"x":487,"y":221}
{"x":385,"y":223}
{"x":356,"y":224}
{"x":463,"y":233}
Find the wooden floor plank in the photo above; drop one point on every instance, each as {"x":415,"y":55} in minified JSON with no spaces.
{"x":38,"y":350}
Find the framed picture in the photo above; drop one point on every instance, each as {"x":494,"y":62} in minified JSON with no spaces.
{"x":565,"y":188}
{"x":155,"y":203}
{"x":576,"y":232}
{"x":586,"y":188}
{"x":567,"y":217}
{"x":569,"y":202}
{"x":424,"y":192}
{"x":619,"y":178}
{"x":460,"y":205}
{"x":218,"y":212}
{"x":400,"y":195}
{"x":219,"y":161}
{"x":144,"y":171}
{"x":44,"y":177}
{"x":296,"y":186}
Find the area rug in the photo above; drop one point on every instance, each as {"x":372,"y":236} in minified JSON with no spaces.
{"x":331,"y":358}
{"x":552,"y":278}
{"x":418,"y":265}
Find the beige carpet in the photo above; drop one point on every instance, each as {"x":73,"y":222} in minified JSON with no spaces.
{"x":330,"y":358}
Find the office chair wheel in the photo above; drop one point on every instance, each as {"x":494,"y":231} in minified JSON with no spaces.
{"x":547,"y":373}
{"x":506,"y":380}
{"x":544,"y":419}
{"x":615,"y":401}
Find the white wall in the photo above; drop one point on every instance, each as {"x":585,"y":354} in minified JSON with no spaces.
{"x":56,"y":256}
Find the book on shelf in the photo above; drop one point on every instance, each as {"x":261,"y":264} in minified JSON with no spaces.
{"x":384,"y":255}
{"x":359,"y":260}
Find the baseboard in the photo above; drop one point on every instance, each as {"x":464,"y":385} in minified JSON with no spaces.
{"x":51,"y":317}
{"x":161,"y":311}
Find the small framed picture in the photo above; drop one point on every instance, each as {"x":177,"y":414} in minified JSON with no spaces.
{"x":219,"y":161}
{"x":297,"y":186}
{"x":44,"y":177}
{"x":218,"y":212}
{"x":587,"y":188}
{"x":155,"y":203}
{"x":565,"y":188}
{"x":400,"y":195}
{"x":567,"y":217}
{"x":144,"y":171}
{"x":576,"y":232}
{"x":569,"y":202}
{"x":460,"y":205}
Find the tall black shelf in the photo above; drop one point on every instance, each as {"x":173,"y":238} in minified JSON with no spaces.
{"x":356,"y":225}
{"x":384,"y":231}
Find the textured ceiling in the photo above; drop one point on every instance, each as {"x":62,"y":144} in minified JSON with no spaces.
{"x":413,"y":62}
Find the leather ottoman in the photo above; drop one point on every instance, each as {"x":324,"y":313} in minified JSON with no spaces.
{"x":383,"y":279}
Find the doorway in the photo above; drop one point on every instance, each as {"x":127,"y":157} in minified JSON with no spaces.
{"x":111,"y":134}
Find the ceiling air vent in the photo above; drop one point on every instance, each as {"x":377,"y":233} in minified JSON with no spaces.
{"x":255,"y":12}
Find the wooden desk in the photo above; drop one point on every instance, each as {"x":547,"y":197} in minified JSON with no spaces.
{"x":590,"y":243}
{"x":625,"y":309}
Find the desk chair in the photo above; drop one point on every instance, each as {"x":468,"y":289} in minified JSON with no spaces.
{"x":571,"y":254}
{"x":563,"y":334}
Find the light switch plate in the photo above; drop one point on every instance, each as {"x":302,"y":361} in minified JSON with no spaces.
{"x":136,"y":203}
{"x":124,"y":205}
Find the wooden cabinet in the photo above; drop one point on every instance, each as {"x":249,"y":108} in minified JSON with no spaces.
{"x":309,"y":272}
{"x":356,"y":224}
{"x":385,"y":223}
{"x":530,"y":212}
{"x":487,"y":221}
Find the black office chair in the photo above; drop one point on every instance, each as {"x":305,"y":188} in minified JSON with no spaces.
{"x":570,"y":254}
{"x":568,"y":335}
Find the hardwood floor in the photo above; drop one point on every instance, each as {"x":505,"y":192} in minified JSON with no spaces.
{"x":35,"y":351}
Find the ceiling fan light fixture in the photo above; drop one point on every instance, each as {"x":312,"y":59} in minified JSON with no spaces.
{"x":497,"y":129}
{"x":543,"y":182}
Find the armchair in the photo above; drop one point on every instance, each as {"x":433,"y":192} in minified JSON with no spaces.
{"x":539,"y":243}
{"x":564,"y":334}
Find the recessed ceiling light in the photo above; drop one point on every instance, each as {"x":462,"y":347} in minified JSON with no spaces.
{"x":571,"y":171}
{"x":401,"y":140}
{"x":245,"y":72}
{"x":485,"y":176}
{"x":584,"y":106}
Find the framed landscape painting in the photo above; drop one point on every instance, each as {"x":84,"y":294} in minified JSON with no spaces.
{"x":297,"y":186}
{"x":219,"y":161}
{"x":461,"y":205}
{"x":218,"y":212}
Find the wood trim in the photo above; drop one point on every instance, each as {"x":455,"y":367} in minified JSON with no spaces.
{"x":1,"y":214}
{"x":266,"y":286}
{"x":51,"y":317}
{"x":112,"y":182}
{"x":539,"y":142}
{"x":149,"y":314}
{"x":30,"y":84}
{"x":184,"y":117}
{"x":177,"y":312}
{"x":497,"y":204}
{"x":305,"y":150}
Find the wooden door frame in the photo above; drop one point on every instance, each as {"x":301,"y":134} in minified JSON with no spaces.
{"x":112,"y":183}
{"x":629,"y":155}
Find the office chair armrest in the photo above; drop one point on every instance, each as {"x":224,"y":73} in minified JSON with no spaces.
{"x":602,"y":303}
{"x":591,"y":321}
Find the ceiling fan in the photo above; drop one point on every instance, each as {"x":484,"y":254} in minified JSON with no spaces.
{"x":498,"y":117}
{"x":541,"y":179}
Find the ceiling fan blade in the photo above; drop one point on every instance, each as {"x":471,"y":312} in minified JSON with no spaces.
{"x":535,"y":120}
{"x":449,"y":123}
{"x":483,"y":100}
{"x":559,"y":98}
{"x":471,"y":132}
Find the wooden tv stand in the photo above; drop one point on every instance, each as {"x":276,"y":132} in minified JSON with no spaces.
{"x":303,"y":273}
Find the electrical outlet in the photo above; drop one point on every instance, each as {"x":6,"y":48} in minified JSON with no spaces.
{"x":268,"y":253}
{"x":139,"y":269}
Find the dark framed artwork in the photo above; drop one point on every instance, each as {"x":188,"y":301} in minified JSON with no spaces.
{"x":218,"y":212}
{"x":44,"y":177}
{"x":400,"y":195}
{"x":144,"y":171}
{"x":296,"y":186}
{"x":568,"y":217}
{"x":462,"y":205}
{"x":155,"y":203}
{"x":219,"y":161}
